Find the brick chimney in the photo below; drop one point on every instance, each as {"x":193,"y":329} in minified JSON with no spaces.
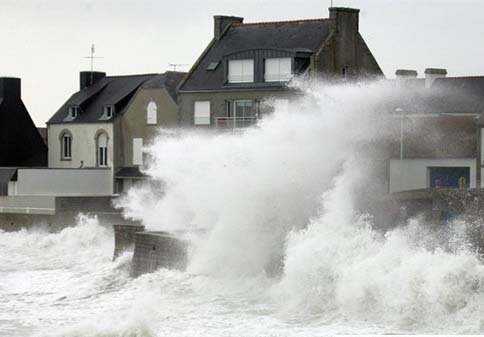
{"x":346,"y":28}
{"x":88,"y":78}
{"x":221,"y":22}
{"x":10,"y":88}
{"x":431,"y":74}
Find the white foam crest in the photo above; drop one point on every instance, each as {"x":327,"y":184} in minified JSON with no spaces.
{"x":339,"y":267}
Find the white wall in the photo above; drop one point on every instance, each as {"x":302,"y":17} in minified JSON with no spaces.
{"x":28,"y":205}
{"x":64,"y":182}
{"x":83,"y":144}
{"x":412,"y":174}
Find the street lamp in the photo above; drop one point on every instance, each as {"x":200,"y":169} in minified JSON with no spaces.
{"x":400,"y":111}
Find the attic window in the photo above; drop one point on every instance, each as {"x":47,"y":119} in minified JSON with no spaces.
{"x":108,"y":111}
{"x":241,"y":71}
{"x":73,"y":111}
{"x":278,"y":69}
{"x":212,"y":66}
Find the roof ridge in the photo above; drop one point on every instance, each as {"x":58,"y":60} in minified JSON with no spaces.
{"x":133,"y":75}
{"x":281,"y":22}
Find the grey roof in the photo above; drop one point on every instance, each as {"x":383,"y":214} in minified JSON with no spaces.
{"x":113,"y":90}
{"x":305,"y":36}
{"x":450,"y":95}
{"x":8,"y":174}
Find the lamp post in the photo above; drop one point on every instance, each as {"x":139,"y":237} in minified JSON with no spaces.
{"x":400,"y":111}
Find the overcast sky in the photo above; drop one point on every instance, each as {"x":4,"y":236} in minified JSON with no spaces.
{"x":44,"y":42}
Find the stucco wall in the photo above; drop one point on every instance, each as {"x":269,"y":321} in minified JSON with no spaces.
{"x":412,"y":174}
{"x":83,"y":144}
{"x":217,"y":102}
{"x":133,"y":123}
{"x":64,"y":182}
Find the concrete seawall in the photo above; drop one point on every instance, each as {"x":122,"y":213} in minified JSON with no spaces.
{"x":124,"y":238}
{"x":154,"y":250}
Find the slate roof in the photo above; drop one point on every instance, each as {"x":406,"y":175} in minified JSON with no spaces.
{"x":116,"y":91}
{"x":450,"y":95}
{"x":301,"y":35}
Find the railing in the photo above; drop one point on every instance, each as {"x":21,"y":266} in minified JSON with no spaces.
{"x":234,"y":122}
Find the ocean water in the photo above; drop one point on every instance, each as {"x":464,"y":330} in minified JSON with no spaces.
{"x":286,"y":194}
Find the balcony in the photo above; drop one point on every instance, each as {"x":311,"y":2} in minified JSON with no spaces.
{"x":228,"y":123}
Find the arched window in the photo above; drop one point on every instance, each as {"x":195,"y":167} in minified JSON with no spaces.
{"x":151,"y":113}
{"x":66,"y":145}
{"x":102,"y":149}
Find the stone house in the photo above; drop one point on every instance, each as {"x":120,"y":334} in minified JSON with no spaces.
{"x":246,"y":64}
{"x":108,"y":121}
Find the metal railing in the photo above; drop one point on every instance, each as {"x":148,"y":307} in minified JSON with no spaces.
{"x":234,"y":122}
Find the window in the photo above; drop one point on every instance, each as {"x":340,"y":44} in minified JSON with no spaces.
{"x":137,"y":151}
{"x":278,"y":69}
{"x":102,"y":150}
{"x":151,"y":113}
{"x":244,"y":109}
{"x":241,"y":71}
{"x":73,"y":111}
{"x":345,"y":72}
{"x":66,"y":146}
{"x":201,"y":115}
{"x":212,"y":66}
{"x":108,"y":111}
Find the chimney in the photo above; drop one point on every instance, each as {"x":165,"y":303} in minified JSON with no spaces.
{"x":346,"y":29}
{"x":347,"y":19}
{"x":404,"y":75}
{"x":10,"y":88}
{"x":431,"y":74}
{"x":221,"y":22}
{"x":88,"y":78}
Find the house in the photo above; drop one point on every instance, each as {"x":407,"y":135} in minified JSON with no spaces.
{"x":105,"y":125}
{"x":436,"y":164}
{"x":20,"y":143}
{"x":246,"y":64}
{"x":439,"y":123}
{"x":95,"y":150}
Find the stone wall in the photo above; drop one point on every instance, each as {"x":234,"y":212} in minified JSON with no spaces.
{"x":124,"y":237}
{"x":154,"y":250}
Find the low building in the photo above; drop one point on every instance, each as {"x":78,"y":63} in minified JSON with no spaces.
{"x":246,"y":64}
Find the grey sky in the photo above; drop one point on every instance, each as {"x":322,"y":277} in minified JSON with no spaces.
{"x":44,"y":42}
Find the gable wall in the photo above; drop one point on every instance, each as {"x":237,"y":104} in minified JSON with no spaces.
{"x":133,"y":123}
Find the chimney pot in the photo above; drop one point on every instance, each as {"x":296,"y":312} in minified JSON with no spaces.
{"x":221,"y":22}
{"x":431,"y":74}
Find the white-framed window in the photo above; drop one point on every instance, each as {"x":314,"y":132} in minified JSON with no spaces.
{"x":73,"y":111}
{"x":278,"y":69}
{"x":66,"y":146}
{"x":241,"y":71}
{"x":108,"y":111}
{"x":201,"y":113}
{"x":151,"y":113}
{"x":102,"y":150}
{"x":137,"y":151}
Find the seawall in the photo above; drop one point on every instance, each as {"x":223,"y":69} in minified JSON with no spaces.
{"x":154,"y":250}
{"x":124,"y":238}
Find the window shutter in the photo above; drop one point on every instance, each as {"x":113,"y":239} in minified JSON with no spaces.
{"x":202,"y":113}
{"x":137,"y":151}
{"x":151,"y":113}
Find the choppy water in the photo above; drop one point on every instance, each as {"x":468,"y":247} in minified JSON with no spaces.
{"x":285,"y":191}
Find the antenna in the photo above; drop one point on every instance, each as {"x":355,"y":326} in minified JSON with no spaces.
{"x":176,"y":65}
{"x":92,"y":57}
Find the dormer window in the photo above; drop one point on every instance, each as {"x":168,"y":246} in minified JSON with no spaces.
{"x":241,"y":71}
{"x":108,"y":111}
{"x":73,"y":111}
{"x":278,"y":69}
